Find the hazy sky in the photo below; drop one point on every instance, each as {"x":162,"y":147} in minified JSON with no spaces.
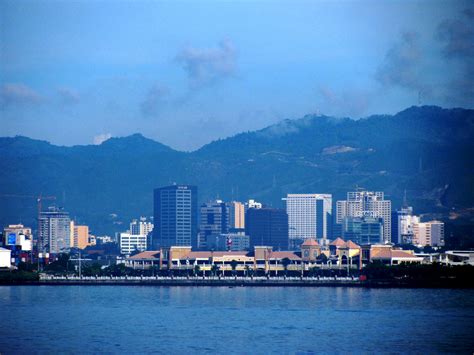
{"x":185,"y":73}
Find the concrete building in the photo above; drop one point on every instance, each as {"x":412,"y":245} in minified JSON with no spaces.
{"x":428,"y":233}
{"x":403,"y":223}
{"x":366,"y":204}
{"x":267,"y":226}
{"x":309,"y":217}
{"x":141,"y":226}
{"x":229,"y":241}
{"x":214,"y":220}
{"x":18,"y":235}
{"x":175,"y":216}
{"x":5,"y":258}
{"x":79,"y":236}
{"x":54,"y":231}
{"x":237,"y":215}
{"x":130,"y":243}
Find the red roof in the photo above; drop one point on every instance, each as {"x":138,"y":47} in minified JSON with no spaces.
{"x":310,"y":242}
{"x":351,"y":245}
{"x":338,"y":242}
{"x":152,"y":254}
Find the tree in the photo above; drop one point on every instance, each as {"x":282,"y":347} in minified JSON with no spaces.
{"x":215,"y":269}
{"x":286,"y":262}
{"x":322,"y":258}
{"x":197,"y":270}
{"x":233,"y":265}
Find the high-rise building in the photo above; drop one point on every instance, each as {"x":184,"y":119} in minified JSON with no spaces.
{"x":18,"y":235}
{"x":268,"y":227}
{"x":79,"y":236}
{"x":141,"y":226}
{"x":237,"y":215}
{"x":403,"y":222}
{"x":428,"y":233}
{"x":309,"y":217}
{"x":366,"y":204}
{"x":215,"y":218}
{"x":54,"y":231}
{"x":175,"y":216}
{"x":363,"y":230}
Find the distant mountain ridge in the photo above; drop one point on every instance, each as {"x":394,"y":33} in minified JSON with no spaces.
{"x":425,"y":150}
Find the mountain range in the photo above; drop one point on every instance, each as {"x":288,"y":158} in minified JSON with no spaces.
{"x":425,"y":153}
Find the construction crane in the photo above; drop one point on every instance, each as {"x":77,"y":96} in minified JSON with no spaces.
{"x":39,"y":204}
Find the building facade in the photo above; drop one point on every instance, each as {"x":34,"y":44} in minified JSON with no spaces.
{"x":363,"y":230}
{"x":403,"y":225}
{"x":175,"y":216}
{"x":141,"y":226}
{"x":79,"y":236}
{"x":214,"y":220}
{"x":429,"y":233}
{"x":237,"y":215}
{"x":229,"y":241}
{"x":366,"y":204}
{"x":54,"y":231}
{"x":267,"y":226}
{"x":130,"y":243}
{"x":309,"y":217}
{"x":18,"y":235}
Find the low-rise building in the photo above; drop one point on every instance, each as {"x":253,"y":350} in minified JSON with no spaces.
{"x":130,"y":243}
{"x":457,"y":257}
{"x":5,"y":258}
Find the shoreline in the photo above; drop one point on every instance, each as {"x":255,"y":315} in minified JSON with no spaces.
{"x":232,"y":282}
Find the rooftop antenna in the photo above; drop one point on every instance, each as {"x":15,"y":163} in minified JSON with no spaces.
{"x":419,"y":98}
{"x":405,"y":204}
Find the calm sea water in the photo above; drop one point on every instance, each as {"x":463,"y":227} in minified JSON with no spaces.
{"x":98,"y":319}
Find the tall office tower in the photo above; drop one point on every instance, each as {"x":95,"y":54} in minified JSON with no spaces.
{"x":79,"y":237}
{"x":363,"y":230}
{"x":141,"y":226}
{"x":366,"y":204}
{"x":214,"y":220}
{"x":428,"y":233}
{"x":175,"y":216}
{"x":237,"y":215}
{"x":403,"y":222}
{"x":268,"y":227}
{"x":309,"y":216}
{"x":54,"y":231}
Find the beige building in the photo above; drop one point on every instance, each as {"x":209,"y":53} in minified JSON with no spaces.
{"x":237,"y":215}
{"x":428,"y":233}
{"x":79,"y":236}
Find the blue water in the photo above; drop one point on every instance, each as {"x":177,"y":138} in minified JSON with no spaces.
{"x":112,"y":319}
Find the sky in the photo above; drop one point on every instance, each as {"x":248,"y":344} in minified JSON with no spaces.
{"x":185,"y":73}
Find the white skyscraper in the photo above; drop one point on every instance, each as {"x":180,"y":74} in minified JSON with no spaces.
{"x":309,"y":216}
{"x":366,"y":204}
